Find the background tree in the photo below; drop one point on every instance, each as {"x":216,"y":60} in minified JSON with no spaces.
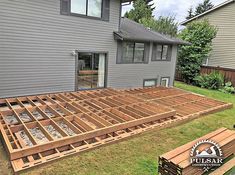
{"x":204,"y":6}
{"x":164,"y":25}
{"x":190,"y":57}
{"x":190,"y":13}
{"x":140,"y":10}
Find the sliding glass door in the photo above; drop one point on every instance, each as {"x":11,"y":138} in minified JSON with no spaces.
{"x":91,"y":70}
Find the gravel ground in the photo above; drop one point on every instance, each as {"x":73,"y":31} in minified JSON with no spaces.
{"x":26,"y":139}
{"x":66,"y":128}
{"x":53,"y":132}
{"x":24,"y":117}
{"x":38,"y":135}
{"x":11,"y":119}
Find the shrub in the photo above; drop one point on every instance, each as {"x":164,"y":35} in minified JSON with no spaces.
{"x":228,"y":88}
{"x":214,"y":80}
{"x":200,"y":34}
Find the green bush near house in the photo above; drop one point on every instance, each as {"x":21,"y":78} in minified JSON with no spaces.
{"x":228,"y":88}
{"x":214,"y":80}
{"x":200,"y":34}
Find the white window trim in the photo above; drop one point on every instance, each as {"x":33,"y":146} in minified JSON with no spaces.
{"x":167,"y":81}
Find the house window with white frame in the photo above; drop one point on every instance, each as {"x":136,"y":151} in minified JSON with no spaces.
{"x":165,"y":81}
{"x":91,"y":8}
{"x":150,"y":82}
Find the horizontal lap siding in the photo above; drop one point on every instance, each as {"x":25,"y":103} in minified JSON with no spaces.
{"x":36,"y":44}
{"x":223,"y":53}
{"x":132,"y":75}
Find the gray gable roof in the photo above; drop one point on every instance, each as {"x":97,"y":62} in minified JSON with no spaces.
{"x":132,"y":31}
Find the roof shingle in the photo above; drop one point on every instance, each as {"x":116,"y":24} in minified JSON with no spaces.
{"x":132,"y":31}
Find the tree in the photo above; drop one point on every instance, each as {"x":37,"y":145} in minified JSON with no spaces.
{"x":190,"y":57}
{"x":204,"y":6}
{"x":140,"y":10}
{"x":190,"y":13}
{"x":164,"y":25}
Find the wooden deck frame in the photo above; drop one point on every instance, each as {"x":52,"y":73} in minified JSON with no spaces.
{"x":91,"y":114}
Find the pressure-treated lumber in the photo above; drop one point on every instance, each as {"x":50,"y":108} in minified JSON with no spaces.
{"x":226,"y":167}
{"x":177,"y":161}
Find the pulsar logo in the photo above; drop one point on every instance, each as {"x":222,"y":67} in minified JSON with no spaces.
{"x":206,"y":154}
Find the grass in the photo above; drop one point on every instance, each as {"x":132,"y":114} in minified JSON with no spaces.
{"x":137,"y":156}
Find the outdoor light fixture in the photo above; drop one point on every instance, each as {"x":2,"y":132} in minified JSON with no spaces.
{"x":74,"y":53}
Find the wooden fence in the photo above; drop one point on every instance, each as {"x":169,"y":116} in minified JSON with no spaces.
{"x":229,"y":74}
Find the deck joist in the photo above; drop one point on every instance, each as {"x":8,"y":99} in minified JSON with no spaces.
{"x":39,"y":129}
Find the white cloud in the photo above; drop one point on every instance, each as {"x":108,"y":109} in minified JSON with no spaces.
{"x":178,"y":8}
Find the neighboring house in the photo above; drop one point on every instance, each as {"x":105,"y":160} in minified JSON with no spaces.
{"x":55,"y":46}
{"x":223,"y":17}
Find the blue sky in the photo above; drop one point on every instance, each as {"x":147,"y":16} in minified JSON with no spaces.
{"x":178,"y":8}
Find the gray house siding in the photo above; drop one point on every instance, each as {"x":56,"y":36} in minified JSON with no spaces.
{"x":36,"y":44}
{"x":223,"y":52}
{"x":133,"y":75}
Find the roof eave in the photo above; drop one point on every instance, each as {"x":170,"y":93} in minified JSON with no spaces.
{"x":120,"y":38}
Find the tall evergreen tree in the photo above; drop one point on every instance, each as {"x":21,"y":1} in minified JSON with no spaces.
{"x":165,"y":25}
{"x":140,"y":10}
{"x":204,"y":6}
{"x":190,"y":13}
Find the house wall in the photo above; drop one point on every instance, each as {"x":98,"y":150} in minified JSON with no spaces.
{"x":36,"y":43}
{"x":132,"y":75}
{"x":223,"y":53}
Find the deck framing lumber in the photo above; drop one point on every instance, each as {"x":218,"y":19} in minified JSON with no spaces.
{"x":92,"y":118}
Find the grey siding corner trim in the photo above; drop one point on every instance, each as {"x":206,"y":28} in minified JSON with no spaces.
{"x":120,"y":53}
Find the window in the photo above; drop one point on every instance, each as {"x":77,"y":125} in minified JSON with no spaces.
{"x":133,"y":52}
{"x":87,"y":7}
{"x":150,"y":82}
{"x":95,"y":9}
{"x":165,"y":81}
{"x":162,"y":53}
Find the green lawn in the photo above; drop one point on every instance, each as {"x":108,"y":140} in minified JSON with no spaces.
{"x":137,"y":156}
